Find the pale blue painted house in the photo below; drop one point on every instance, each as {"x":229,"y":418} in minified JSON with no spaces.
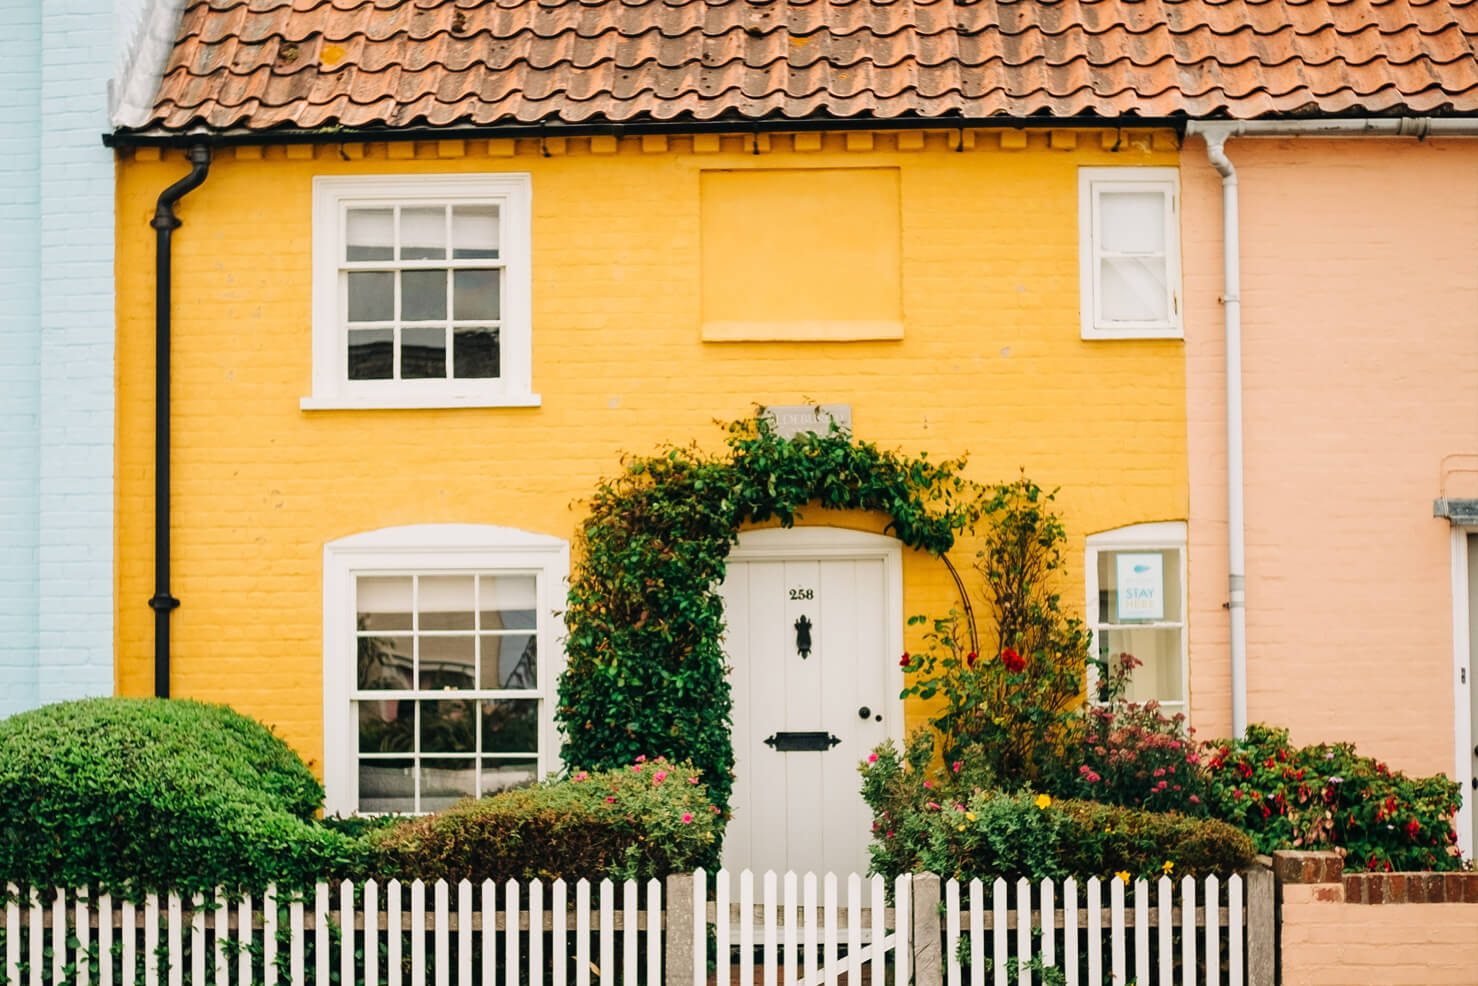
{"x":65,"y":67}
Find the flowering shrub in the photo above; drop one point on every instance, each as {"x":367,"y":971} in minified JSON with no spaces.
{"x":1009,"y":710}
{"x":936,"y":821}
{"x":1327,"y":795}
{"x":645,"y":819}
{"x":1133,"y":754}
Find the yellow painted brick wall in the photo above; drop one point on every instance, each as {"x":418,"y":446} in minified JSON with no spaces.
{"x":991,"y":363}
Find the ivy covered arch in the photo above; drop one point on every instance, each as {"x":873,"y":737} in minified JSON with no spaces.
{"x":645,"y":673}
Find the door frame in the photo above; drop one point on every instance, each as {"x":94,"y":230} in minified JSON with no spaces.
{"x":820,"y":543}
{"x":1463,"y":689}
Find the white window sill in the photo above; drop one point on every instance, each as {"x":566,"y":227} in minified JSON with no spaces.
{"x":1100,"y":335}
{"x":338,"y":403}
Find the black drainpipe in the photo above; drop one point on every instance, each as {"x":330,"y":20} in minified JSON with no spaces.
{"x":165,"y":223}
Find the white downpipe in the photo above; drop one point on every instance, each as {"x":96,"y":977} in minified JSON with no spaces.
{"x":1231,"y":297}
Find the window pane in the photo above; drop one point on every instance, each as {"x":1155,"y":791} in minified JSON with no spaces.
{"x":423,"y":354}
{"x":447,"y":662}
{"x":369,"y":234}
{"x":371,"y":296}
{"x":446,"y":602}
{"x":445,"y":782}
{"x":510,"y":725}
{"x":1146,"y":581}
{"x":475,"y":232}
{"x":448,"y":726}
{"x":1133,"y":289}
{"x":476,"y":295}
{"x":507,"y":602}
{"x":475,"y":353}
{"x":422,"y":295}
{"x":498,"y":775}
{"x":383,"y":602}
{"x":371,"y":354}
{"x":384,"y":663}
{"x":387,"y":727}
{"x":423,"y":233}
{"x":387,"y":785}
{"x":1158,"y":652}
{"x":1131,"y":222}
{"x":510,"y":661}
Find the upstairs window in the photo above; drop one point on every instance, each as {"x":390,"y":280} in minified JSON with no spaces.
{"x":421,"y":291}
{"x":1129,"y":252}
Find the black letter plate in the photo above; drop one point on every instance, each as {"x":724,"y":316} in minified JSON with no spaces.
{"x":787,"y":742}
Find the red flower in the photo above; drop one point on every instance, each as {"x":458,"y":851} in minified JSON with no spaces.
{"x":971,"y":658}
{"x":1012,"y":660}
{"x":1412,"y":828}
{"x":905,"y":660}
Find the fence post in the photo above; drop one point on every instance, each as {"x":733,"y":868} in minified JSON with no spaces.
{"x":677,"y":918}
{"x":927,"y":966}
{"x":1261,"y":927}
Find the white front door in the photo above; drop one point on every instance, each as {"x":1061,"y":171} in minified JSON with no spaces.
{"x":805,"y":717}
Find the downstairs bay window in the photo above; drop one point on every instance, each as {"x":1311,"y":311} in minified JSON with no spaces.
{"x":439,"y":644}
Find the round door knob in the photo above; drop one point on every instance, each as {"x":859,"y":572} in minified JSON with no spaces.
{"x":864,"y":712}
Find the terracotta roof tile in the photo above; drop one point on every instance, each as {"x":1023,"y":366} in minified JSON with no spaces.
{"x":262,"y":64}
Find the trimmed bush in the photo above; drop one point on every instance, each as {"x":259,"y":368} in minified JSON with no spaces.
{"x":644,"y":820}
{"x":934,"y":822}
{"x":1328,"y":796}
{"x":134,"y":795}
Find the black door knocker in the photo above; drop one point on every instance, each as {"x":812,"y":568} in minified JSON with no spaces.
{"x":803,"y":637}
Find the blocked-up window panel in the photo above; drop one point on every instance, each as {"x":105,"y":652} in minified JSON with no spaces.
{"x":801,"y":254}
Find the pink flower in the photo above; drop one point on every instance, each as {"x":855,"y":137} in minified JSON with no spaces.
{"x":637,"y":768}
{"x":956,"y":766}
{"x":687,"y":818}
{"x":1195,"y":800}
{"x":890,"y":833}
{"x":642,"y":758}
{"x":872,"y":758}
{"x":610,"y":801}
{"x":932,"y":806}
{"x":581,"y":776}
{"x":692,"y":780}
{"x":659,"y":777}
{"x":714,"y":809}
{"x":928,"y":784}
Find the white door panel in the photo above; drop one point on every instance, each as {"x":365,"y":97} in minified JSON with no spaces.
{"x":803,"y":810}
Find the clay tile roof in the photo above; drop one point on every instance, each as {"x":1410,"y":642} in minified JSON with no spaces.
{"x":307,"y":64}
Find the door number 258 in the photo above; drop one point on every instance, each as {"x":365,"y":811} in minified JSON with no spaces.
{"x":803,"y":593}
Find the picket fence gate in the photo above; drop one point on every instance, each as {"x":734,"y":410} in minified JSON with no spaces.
{"x":695,"y":930}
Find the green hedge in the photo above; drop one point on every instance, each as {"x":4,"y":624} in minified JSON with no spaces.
{"x":646,"y":819}
{"x":927,"y":821}
{"x":145,"y":794}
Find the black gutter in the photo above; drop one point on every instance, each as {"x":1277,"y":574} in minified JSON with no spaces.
{"x":165,"y":222}
{"x":739,"y":127}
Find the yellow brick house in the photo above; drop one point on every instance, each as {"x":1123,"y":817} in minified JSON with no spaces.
{"x":437,"y":266}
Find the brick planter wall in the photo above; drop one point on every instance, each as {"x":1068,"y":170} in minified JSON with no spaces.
{"x":1424,"y":933}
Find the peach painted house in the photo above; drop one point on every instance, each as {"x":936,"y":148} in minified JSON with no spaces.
{"x":1359,"y":409}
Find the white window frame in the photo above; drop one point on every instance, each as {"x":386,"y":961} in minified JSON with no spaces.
{"x":332,"y":196}
{"x":1091,"y":182}
{"x":435,"y":549}
{"x":1162,"y":536}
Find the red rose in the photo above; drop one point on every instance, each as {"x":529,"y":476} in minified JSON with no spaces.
{"x":1012,"y":660}
{"x":905,"y":660}
{"x":971,"y":658}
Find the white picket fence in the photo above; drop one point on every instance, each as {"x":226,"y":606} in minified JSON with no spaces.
{"x":698,"y":929}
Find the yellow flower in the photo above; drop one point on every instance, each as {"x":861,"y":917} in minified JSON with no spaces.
{"x":1167,"y":867}
{"x":1123,"y":875}
{"x":959,"y":828}
{"x":970,"y":815}
{"x":1044,"y":800}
